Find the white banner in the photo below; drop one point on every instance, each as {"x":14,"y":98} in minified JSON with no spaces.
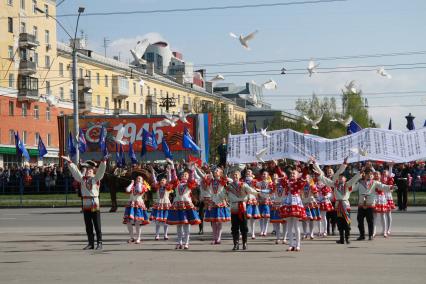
{"x":368,"y":144}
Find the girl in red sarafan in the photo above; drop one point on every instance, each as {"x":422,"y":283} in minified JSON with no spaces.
{"x":135,"y":212}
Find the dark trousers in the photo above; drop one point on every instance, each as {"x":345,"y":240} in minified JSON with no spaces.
{"x":93,"y":220}
{"x":402,"y":195}
{"x":344,"y":228}
{"x":239,"y":225}
{"x":368,"y":214}
{"x":331,"y":221}
{"x":201,"y":213}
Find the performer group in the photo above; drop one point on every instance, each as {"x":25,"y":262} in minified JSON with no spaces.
{"x":304,"y":201}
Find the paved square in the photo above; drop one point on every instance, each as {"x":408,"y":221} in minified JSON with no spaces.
{"x":44,"y":246}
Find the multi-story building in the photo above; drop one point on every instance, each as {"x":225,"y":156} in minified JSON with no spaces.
{"x":35,"y":67}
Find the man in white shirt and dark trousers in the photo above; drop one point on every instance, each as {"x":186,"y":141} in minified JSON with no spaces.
{"x":366,"y":188}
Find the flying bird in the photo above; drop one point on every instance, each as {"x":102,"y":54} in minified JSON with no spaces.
{"x":382,"y":72}
{"x":141,"y":82}
{"x":182,"y":116}
{"x":51,"y":100}
{"x":360,"y":151}
{"x":283,"y":70}
{"x":263,"y":132}
{"x":312,"y":67}
{"x":244,"y":39}
{"x":270,"y":85}
{"x":218,"y":77}
{"x":313,"y":123}
{"x":342,"y":121}
{"x":119,"y":137}
{"x":166,"y":122}
{"x":261,"y":154}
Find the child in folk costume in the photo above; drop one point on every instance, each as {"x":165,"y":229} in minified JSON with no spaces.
{"x":90,"y":184}
{"x":238,"y":194}
{"x":204,"y":196}
{"x":388,"y":179}
{"x":381,"y":207}
{"x":136,"y":211}
{"x":341,"y":190}
{"x":160,"y":209}
{"x":217,"y":211}
{"x":182,"y":212}
{"x":253,"y":212}
{"x":277,"y":220}
{"x":292,"y":208}
{"x":265,"y":187}
{"x":324,"y":199}
{"x":309,"y":195}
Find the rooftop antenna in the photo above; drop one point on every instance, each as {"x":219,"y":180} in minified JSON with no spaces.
{"x":105,"y":45}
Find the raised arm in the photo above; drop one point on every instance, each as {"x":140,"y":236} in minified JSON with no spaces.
{"x":75,"y":172}
{"x":340,"y":171}
{"x":353,"y":181}
{"x":101,"y":171}
{"x":130,"y":187}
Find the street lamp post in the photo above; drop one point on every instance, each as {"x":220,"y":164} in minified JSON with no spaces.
{"x":74,"y":75}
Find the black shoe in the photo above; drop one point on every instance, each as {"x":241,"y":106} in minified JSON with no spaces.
{"x":201,"y":232}
{"x":370,"y":238}
{"x":339,"y":242}
{"x":244,"y":246}
{"x":236,"y":246}
{"x":99,"y":246}
{"x":347,"y":241}
{"x":360,"y":238}
{"x":89,"y":246}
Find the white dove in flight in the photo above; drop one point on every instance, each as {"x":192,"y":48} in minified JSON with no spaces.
{"x":312,"y":67}
{"x":245,"y":39}
{"x":263,"y":132}
{"x":260,"y":154}
{"x":313,"y":123}
{"x":51,"y":100}
{"x":360,"y":151}
{"x":119,"y":137}
{"x":342,"y":121}
{"x":270,"y":85}
{"x":218,"y":77}
{"x":182,"y":116}
{"x":382,"y":72}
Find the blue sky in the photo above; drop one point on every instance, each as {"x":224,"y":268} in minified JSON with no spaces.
{"x":318,"y":30}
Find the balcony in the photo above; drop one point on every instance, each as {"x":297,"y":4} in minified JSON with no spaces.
{"x":84,"y":95}
{"x":120,"y":87}
{"x":27,"y":67}
{"x":27,"y":88}
{"x":27,"y":40}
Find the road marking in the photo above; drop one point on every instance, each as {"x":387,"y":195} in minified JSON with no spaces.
{"x":7,"y":218}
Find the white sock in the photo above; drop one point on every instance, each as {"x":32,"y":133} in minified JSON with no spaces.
{"x":186,"y":230}
{"x":138,"y":229}
{"x":265,"y":225}
{"x":166,"y":229}
{"x":388,"y":221}
{"x":130,"y":229}
{"x":219,"y":231}
{"x":157,"y":228}
{"x":179,"y":234}
{"x":311,"y":228}
{"x":285,"y":233}
{"x":261,"y":222}
{"x":252,"y":223}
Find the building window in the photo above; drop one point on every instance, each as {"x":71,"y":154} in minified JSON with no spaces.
{"x":98,"y":100}
{"x":71,"y":94}
{"x":24,"y":137}
{"x":11,"y":80}
{"x":46,"y":10}
{"x":37,"y":137}
{"x":141,"y":91}
{"x":11,"y":136}
{"x":141,"y":107}
{"x":23,"y":4}
{"x":36,"y":112}
{"x":23,"y":27}
{"x":34,"y":6}
{"x":127,"y":106}
{"x":81,"y":72}
{"x":47,"y":61}
{"x":97,"y":78}
{"x":106,"y":80}
{"x":11,"y":108}
{"x":35,"y":32}
{"x":178,"y":99}
{"x":106,"y":103}
{"x":149,"y":90}
{"x":36,"y":58}
{"x":24,"y":109}
{"x":134,"y":88}
{"x":10,"y":2}
{"x":10,"y":52}
{"x":134,"y":108}
{"x":48,"y":113}
{"x":61,"y":69}
{"x":89,"y":74}
{"x":10,"y":25}
{"x":48,"y":90}
{"x":49,"y":140}
{"x":61,"y":92}
{"x":47,"y":36}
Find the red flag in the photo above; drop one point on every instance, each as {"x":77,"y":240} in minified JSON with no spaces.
{"x":195,"y":160}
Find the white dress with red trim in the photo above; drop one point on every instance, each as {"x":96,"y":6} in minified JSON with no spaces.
{"x":324,"y":197}
{"x":278,"y":196}
{"x":292,"y":206}
{"x":381,"y":205}
{"x":160,"y":209}
{"x":389,"y":198}
{"x":310,"y":202}
{"x":217,"y":210}
{"x":135,"y":209}
{"x":264,"y":198}
{"x":183,"y":210}
{"x":252,"y":210}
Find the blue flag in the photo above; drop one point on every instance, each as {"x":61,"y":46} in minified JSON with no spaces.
{"x":390,"y":124}
{"x":353,"y":127}
{"x":122,"y":157}
{"x":72,"y":151}
{"x":254,"y":128}
{"x":410,"y":121}
{"x":424,"y":125}
{"x":20,"y":147}
{"x":187,"y":141}
{"x":153,"y":140}
{"x":42,"y":151}
{"x":82,"y":144}
{"x":132,"y":154}
{"x":166,"y":149}
{"x":245,"y":131}
{"x":145,"y":138}
{"x":102,"y":141}
{"x":117,"y":157}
